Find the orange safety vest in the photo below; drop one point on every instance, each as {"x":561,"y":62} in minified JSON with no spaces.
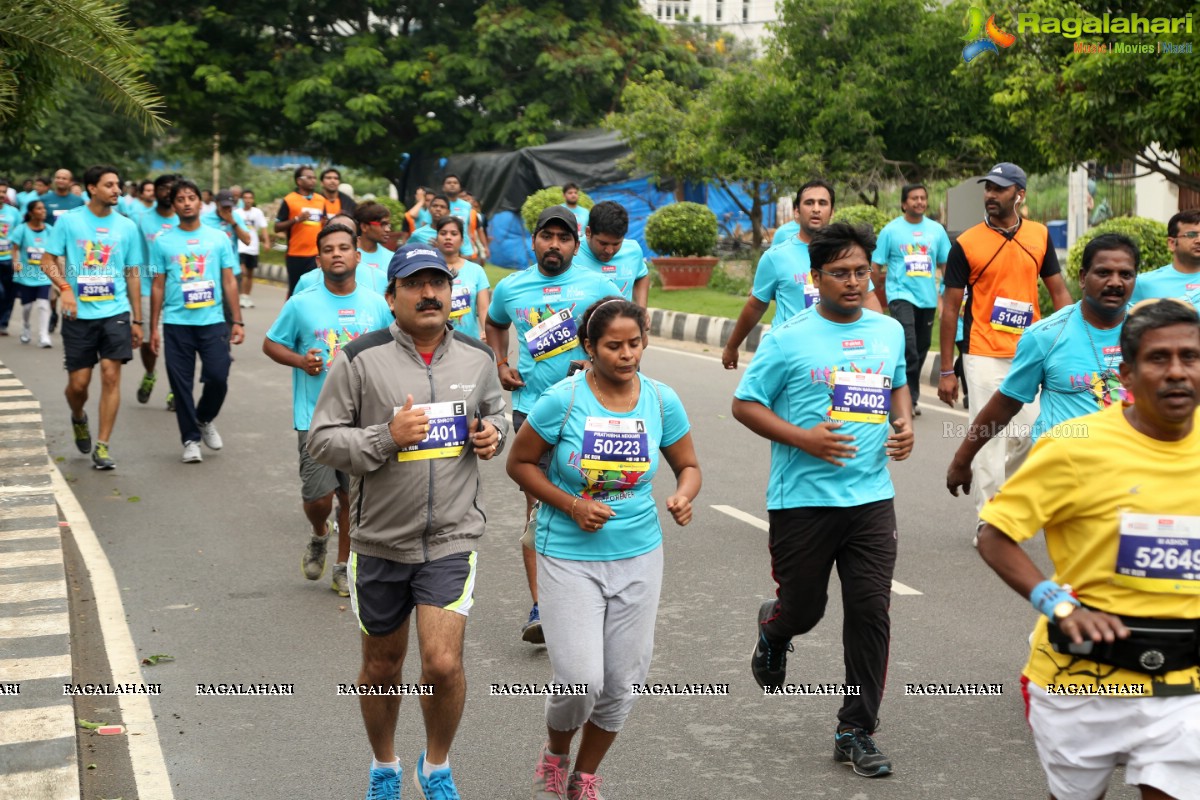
{"x":1004,"y":277}
{"x":302,"y":237}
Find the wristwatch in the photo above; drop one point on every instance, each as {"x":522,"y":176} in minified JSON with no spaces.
{"x":1063,"y":610}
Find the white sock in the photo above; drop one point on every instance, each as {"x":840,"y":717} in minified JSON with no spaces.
{"x":385,"y":765}
{"x":44,"y":317}
{"x":428,"y":769}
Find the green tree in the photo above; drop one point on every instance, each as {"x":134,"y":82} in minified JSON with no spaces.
{"x":1104,"y":107}
{"x":44,"y":42}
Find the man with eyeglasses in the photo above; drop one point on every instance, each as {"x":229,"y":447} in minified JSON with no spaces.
{"x":1180,"y":278}
{"x":1071,"y":357}
{"x":409,"y":411}
{"x":822,"y":388}
{"x":544,"y":304}
{"x":1000,"y":261}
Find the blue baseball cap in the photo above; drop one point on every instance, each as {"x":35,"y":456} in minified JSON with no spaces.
{"x":1005,"y":174}
{"x":415,"y":257}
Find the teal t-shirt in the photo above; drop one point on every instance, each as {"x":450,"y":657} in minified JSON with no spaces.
{"x":58,"y":205}
{"x":212,"y":220}
{"x":626,"y":267}
{"x":374,"y":279}
{"x":582,"y":216}
{"x":10,"y":220}
{"x":1167,"y":282}
{"x":151,"y":225}
{"x":321,"y":319}
{"x":32,"y":245}
{"x":912,"y":254}
{"x":464,"y":311}
{"x":426,"y":234}
{"x":1073,"y":364}
{"x":95,"y":253}
{"x":811,"y":370}
{"x":192,"y":262}
{"x":377,"y":261}
{"x":784,"y":231}
{"x":546,"y":313}
{"x":608,"y":457}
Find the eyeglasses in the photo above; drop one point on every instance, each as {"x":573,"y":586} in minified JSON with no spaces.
{"x":843,"y":275}
{"x":415,"y":285}
{"x":1187,"y":235}
{"x":387,"y":223}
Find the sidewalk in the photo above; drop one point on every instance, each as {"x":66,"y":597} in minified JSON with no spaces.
{"x":37,"y":723}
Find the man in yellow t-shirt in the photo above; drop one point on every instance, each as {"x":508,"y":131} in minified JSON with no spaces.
{"x":1114,"y":670}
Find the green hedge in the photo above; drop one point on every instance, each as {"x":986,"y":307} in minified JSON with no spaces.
{"x":862,"y":214}
{"x":682,"y":229}
{"x":539,"y":201}
{"x":1149,"y":234}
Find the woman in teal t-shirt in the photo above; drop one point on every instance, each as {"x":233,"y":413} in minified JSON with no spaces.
{"x":472,"y":293}
{"x":31,"y":285}
{"x":599,"y":541}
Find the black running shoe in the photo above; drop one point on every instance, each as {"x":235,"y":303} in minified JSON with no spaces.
{"x":857,"y":748}
{"x":83,"y":436}
{"x":769,"y":662}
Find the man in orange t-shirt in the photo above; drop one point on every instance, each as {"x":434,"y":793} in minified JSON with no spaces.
{"x":301,"y":216}
{"x":1000,"y":261}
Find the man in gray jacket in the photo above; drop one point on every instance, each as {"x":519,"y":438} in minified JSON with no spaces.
{"x":407,"y":412}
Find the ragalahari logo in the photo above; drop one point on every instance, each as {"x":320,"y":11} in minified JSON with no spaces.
{"x":983,"y":38}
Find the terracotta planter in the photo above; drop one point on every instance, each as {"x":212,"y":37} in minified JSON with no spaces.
{"x":684,"y":272}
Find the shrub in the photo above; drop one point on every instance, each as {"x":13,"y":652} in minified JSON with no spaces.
{"x":395,"y":207}
{"x":682,"y":229}
{"x":539,"y":201}
{"x":862,"y":214}
{"x":1149,"y":234}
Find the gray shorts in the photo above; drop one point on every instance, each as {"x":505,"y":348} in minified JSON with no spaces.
{"x":530,"y":529}
{"x":383,"y":593}
{"x":316,"y":479}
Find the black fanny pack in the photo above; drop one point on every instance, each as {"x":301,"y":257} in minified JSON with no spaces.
{"x":1154,"y":646}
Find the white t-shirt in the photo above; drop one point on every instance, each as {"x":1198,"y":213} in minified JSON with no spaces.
{"x":255,"y":221}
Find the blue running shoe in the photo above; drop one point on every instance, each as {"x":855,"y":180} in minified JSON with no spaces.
{"x":438,"y":786}
{"x":385,"y":784}
{"x":531,"y":631}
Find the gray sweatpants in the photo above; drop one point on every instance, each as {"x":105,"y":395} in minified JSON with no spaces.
{"x":598,"y":618}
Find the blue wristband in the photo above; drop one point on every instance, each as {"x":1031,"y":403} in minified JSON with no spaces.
{"x":1048,"y":594}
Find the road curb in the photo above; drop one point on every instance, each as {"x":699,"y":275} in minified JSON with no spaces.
{"x":677,"y":325}
{"x":37,"y":723}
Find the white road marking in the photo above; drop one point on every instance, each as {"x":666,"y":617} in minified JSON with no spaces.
{"x":35,"y":724}
{"x":763,"y":525}
{"x":35,"y":668}
{"x":149,"y":765}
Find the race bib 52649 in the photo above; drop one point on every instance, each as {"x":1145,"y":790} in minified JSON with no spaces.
{"x":553,"y":335}
{"x":1159,"y":553}
{"x":447,"y":432}
{"x":861,"y":397}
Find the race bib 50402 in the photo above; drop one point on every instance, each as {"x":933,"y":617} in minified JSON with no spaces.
{"x":861,"y":397}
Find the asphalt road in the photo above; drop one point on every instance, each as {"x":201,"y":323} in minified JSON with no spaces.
{"x":207,"y":558}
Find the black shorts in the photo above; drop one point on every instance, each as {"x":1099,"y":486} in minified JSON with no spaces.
{"x":383,"y":593}
{"x":249,"y":262}
{"x":28,"y":294}
{"x":87,"y":341}
{"x":297,"y":266}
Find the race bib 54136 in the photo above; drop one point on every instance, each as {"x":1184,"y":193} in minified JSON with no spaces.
{"x":553,"y":335}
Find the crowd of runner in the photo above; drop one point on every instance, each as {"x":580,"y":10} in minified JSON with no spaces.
{"x":403,"y":381}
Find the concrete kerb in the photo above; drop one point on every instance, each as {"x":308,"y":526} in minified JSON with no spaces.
{"x":676,"y":325}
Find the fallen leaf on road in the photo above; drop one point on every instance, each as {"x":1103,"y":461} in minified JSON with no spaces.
{"x":91,"y":766}
{"x":154,"y":659}
{"x":134,"y":499}
{"x":341,"y":608}
{"x":91,"y":726}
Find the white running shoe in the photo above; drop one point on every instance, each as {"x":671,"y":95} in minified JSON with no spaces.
{"x":45,"y":341}
{"x":249,"y":302}
{"x":242,"y":300}
{"x":212,"y":439}
{"x":191,"y":452}
{"x":25,"y":337}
